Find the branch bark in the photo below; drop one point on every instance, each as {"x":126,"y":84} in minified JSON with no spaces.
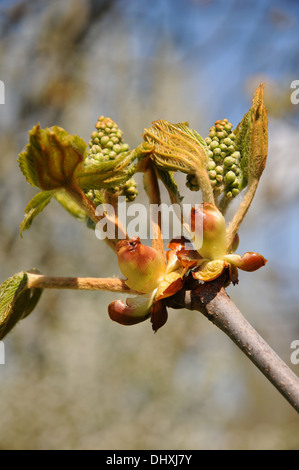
{"x":151,"y":186}
{"x":213,"y":302}
{"x":112,"y":284}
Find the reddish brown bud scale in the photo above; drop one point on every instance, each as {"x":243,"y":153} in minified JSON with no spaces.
{"x":159,"y":315}
{"x":125,"y":314}
{"x":251,"y":262}
{"x":248,"y":262}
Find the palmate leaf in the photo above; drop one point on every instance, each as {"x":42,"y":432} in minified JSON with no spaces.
{"x":51,"y":157}
{"x":16,"y":301}
{"x":42,"y":199}
{"x":252,"y":138}
{"x":171,"y":185}
{"x":70,"y":205}
{"x":35,"y":207}
{"x":112,"y":173}
{"x":177,"y":147}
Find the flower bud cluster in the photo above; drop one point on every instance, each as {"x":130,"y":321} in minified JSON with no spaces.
{"x":129,"y":190}
{"x":96,"y":196}
{"x":223,"y":167}
{"x":106,"y":142}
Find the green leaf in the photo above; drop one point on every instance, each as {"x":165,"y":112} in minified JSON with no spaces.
{"x":35,"y":207}
{"x":171,"y":185}
{"x":112,"y":173}
{"x":16,"y":301}
{"x":177,"y":147}
{"x":252,"y":139}
{"x":70,"y":205}
{"x":51,"y":157}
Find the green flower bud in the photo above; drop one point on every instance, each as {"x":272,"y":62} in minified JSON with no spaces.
{"x":104,"y":140}
{"x":117,"y":148}
{"x":217,"y":152}
{"x":221,"y":134}
{"x":213,"y":145}
{"x":229,"y":177}
{"x":222,"y":152}
{"x":211,"y":165}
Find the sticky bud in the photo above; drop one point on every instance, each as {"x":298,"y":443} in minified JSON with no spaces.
{"x":135,"y":310}
{"x":207,"y":220}
{"x":143,"y":266}
{"x":248,"y":262}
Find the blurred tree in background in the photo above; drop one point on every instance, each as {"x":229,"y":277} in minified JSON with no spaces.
{"x":73,"y":379}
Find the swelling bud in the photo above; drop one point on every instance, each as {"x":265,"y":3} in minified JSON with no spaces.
{"x":143,"y":266}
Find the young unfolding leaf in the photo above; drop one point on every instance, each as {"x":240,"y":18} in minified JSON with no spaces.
{"x":51,"y":157}
{"x":252,"y":138}
{"x":70,"y":205}
{"x":171,"y":185}
{"x":109,"y":174}
{"x":35,"y":207}
{"x":177,"y":147}
{"x":16,"y":301}
{"x":252,"y":142}
{"x":42,"y":199}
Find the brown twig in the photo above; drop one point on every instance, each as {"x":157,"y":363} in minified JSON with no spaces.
{"x":111,"y":284}
{"x":152,"y":190}
{"x":241,"y":212}
{"x":89,"y":207}
{"x":212,"y":300}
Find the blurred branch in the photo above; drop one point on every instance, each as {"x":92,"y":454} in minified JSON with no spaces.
{"x":212,"y":301}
